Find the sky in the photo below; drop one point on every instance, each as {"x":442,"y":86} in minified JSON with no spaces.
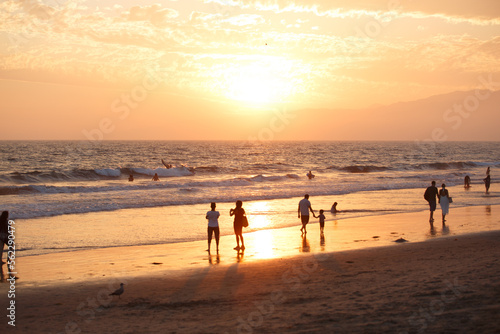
{"x":233,"y":69}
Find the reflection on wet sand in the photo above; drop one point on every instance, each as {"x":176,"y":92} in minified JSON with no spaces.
{"x":445,"y":230}
{"x":211,"y":259}
{"x":239,"y":255}
{"x":340,"y":235}
{"x":305,"y":247}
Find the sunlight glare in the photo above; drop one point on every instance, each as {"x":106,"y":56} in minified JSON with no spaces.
{"x":259,"y":217}
{"x":260,"y":82}
{"x":265,"y":249}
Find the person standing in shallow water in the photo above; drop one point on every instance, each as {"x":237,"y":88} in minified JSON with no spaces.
{"x":487,"y":180}
{"x":430,"y":195}
{"x":444,"y":201}
{"x":213,"y":226}
{"x":467,"y":182}
{"x":238,"y":212}
{"x":334,"y":208}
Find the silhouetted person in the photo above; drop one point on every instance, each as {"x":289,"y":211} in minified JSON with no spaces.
{"x":310,"y":175}
{"x":303,"y":211}
{"x":213,"y":226}
{"x":238,"y":212}
{"x":321,"y":221}
{"x":131,"y":178}
{"x":444,"y":200}
{"x":430,"y":195}
{"x":334,"y":208}
{"x":4,"y":232}
{"x":467,"y":181}
{"x":155,"y":177}
{"x":487,"y":180}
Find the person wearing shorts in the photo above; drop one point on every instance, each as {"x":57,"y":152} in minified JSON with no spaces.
{"x":321,"y":221}
{"x":430,"y":195}
{"x":303,"y":211}
{"x":213,"y":226}
{"x":238,"y":212}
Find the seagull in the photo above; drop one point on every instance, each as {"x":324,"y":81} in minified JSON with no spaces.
{"x":118,"y":292}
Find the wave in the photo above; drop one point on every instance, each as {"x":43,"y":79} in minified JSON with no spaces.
{"x":460,"y":165}
{"x":134,"y":186}
{"x":360,"y":169}
{"x":77,"y":175}
{"x":448,"y":165}
{"x":263,"y":178}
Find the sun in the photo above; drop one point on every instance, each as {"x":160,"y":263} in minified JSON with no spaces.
{"x":259,"y":82}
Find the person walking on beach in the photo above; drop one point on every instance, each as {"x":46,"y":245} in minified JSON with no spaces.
{"x":303,"y":211}
{"x":213,"y":226}
{"x":444,"y":200}
{"x":321,"y":221}
{"x":430,"y":195}
{"x":4,"y":232}
{"x":238,"y":212}
{"x":487,"y":180}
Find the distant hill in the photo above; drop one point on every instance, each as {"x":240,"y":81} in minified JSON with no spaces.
{"x":453,"y":116}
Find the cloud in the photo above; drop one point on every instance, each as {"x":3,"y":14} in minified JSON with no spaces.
{"x":195,"y":47}
{"x":155,"y":14}
{"x":246,"y":19}
{"x":475,"y":12}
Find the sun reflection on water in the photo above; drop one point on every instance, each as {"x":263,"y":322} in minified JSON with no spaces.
{"x":258,"y":216}
{"x":264,"y":241}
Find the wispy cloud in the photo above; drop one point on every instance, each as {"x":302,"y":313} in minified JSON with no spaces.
{"x":333,"y":49}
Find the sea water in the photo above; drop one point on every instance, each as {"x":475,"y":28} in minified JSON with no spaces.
{"x":74,"y":190}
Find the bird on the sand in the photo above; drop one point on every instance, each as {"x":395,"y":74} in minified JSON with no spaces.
{"x":118,"y":292}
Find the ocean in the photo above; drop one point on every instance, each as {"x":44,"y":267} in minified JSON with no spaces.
{"x":62,"y":186}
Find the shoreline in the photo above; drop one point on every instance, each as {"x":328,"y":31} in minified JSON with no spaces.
{"x":441,"y":285}
{"x":186,"y":223}
{"x":339,"y":235}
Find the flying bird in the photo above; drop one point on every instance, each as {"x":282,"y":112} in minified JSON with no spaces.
{"x":118,"y":292}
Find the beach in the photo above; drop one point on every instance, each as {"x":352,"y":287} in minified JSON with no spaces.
{"x":441,"y":281}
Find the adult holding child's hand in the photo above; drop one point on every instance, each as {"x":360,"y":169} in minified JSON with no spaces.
{"x":303,"y":211}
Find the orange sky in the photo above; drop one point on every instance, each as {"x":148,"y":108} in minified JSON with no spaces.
{"x":231,"y":69}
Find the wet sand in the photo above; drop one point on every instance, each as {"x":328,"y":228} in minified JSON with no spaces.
{"x":355,"y":279}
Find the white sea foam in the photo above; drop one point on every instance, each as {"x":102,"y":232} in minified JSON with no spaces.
{"x":222,"y":172}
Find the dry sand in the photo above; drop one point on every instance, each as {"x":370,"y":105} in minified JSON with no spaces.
{"x":442,"y":285}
